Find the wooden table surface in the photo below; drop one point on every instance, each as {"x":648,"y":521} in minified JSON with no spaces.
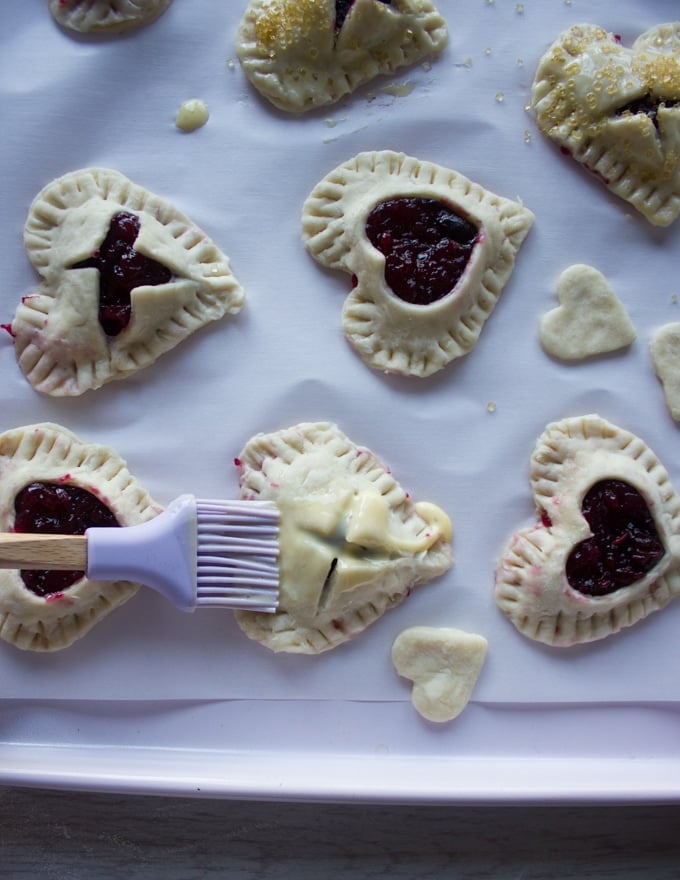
{"x":73,"y":835}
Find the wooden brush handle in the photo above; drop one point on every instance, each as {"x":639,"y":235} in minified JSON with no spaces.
{"x":65,"y":552}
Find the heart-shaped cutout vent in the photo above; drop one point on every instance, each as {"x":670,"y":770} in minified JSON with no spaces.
{"x":426,"y":245}
{"x":625,"y":543}
{"x":46,"y":508}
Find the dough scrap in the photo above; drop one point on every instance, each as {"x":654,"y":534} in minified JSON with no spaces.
{"x":443,"y":664}
{"x":665,"y":351}
{"x":590,"y":319}
{"x":292,"y":54}
{"x":532,"y":588}
{"x":105,"y":16}
{"x":388,"y":333}
{"x":616,"y":110}
{"x":59,"y":343}
{"x":352,"y":542}
{"x":47,"y":452}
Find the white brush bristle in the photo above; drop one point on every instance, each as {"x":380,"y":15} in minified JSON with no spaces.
{"x":237,"y":559}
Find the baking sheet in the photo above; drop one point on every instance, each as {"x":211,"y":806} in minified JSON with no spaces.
{"x":71,"y":102}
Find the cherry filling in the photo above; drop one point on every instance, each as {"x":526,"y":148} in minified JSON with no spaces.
{"x":624,"y":546}
{"x":426,"y":246}
{"x":648,"y":105}
{"x":121,"y":269}
{"x":47,"y":508}
{"x":342,"y":8}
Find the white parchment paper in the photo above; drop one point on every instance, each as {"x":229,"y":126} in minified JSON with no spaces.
{"x":461,"y":439}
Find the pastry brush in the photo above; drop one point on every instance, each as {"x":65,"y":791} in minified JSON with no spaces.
{"x":197,"y":552}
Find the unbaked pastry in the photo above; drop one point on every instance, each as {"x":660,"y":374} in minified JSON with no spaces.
{"x":665,"y":352}
{"x":605,"y":554}
{"x":45,"y":611}
{"x":589,"y":320}
{"x":443,"y":663}
{"x":374,"y":217}
{"x":84,"y":325}
{"x":301,"y":54}
{"x":352,"y":542}
{"x":105,"y":16}
{"x":617,"y":111}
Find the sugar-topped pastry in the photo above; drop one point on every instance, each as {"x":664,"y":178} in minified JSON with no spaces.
{"x":51,"y":482}
{"x":302,"y":54}
{"x":616,"y":110}
{"x":443,"y":663}
{"x":428,"y":250}
{"x":607,"y":550}
{"x":125,"y":278}
{"x":352,"y":542}
{"x":105,"y":16}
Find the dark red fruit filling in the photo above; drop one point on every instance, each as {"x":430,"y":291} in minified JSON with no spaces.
{"x":625,"y":544}
{"x":121,"y":269}
{"x":48,"y":508}
{"x":649,"y":105}
{"x":426,"y":246}
{"x":342,"y":8}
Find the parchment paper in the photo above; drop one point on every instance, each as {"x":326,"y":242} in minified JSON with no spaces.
{"x":70,"y":102}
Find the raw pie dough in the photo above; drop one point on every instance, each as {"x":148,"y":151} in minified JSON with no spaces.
{"x":389,"y":333}
{"x":352,"y":542}
{"x":532,"y":588}
{"x":49,"y":453}
{"x":59,"y":343}
{"x":617,"y":111}
{"x":105,"y":16}
{"x":443,"y":664}
{"x":665,"y":351}
{"x":293,"y":55}
{"x":590,"y":319}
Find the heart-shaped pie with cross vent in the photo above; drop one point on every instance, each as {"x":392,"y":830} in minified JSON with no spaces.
{"x":429,"y":252}
{"x":607,"y":550}
{"x":125,"y":278}
{"x":302,"y":54}
{"x":616,"y":110}
{"x":353,"y":543}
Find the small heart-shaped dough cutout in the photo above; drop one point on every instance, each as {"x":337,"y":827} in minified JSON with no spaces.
{"x":443,"y":664}
{"x":590,"y":319}
{"x":665,"y":351}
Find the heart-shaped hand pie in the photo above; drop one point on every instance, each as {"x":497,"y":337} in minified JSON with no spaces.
{"x":55,"y":483}
{"x":105,"y":16}
{"x":590,"y":319}
{"x":443,"y":664}
{"x":665,"y":351}
{"x":607,"y":550}
{"x":353,"y":543}
{"x":617,"y":111}
{"x":302,"y":54}
{"x":126,"y":277}
{"x":429,"y":252}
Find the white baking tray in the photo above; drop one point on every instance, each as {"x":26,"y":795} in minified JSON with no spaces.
{"x":155,"y":701}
